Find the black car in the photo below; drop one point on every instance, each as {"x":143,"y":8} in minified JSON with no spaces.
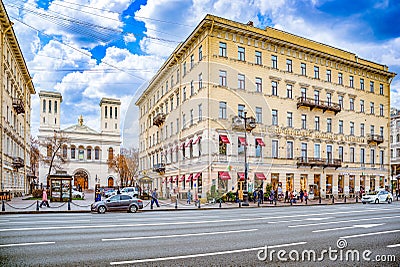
{"x":118,"y":202}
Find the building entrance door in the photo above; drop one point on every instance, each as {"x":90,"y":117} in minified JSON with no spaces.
{"x":110,"y":182}
{"x":317,"y":185}
{"x":81,"y":180}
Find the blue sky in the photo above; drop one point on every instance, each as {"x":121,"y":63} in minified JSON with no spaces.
{"x":89,"y":49}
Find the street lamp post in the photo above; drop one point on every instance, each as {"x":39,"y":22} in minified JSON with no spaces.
{"x":247,"y":127}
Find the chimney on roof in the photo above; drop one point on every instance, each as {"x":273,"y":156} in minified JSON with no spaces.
{"x":250,"y":23}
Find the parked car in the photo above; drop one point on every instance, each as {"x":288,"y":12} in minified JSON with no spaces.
{"x":77,"y":194}
{"x":109,"y":192}
{"x":118,"y":202}
{"x":377,"y":197}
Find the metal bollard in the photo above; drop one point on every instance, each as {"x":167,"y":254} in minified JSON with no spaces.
{"x":220,"y":203}
{"x":356,"y":199}
{"x":291,"y":203}
{"x":37,"y":205}
{"x":69,"y":204}
{"x":3,"y":206}
{"x":344,"y":199}
{"x":258,"y":203}
{"x":151,"y":207}
{"x":240,"y":204}
{"x":306,"y":201}
{"x":275,"y":201}
{"x":333,"y":199}
{"x":199,"y":204}
{"x":176,"y":203}
{"x":319,"y":199}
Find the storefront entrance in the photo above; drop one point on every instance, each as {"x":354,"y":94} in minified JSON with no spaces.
{"x":329,"y":179}
{"x":372,"y":183}
{"x":316,"y":187}
{"x":303,"y":182}
{"x":81,"y":180}
{"x":110,"y":182}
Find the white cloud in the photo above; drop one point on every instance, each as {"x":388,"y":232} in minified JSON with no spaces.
{"x":129,"y":38}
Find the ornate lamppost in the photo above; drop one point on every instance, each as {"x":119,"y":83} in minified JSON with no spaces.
{"x":249,"y":125}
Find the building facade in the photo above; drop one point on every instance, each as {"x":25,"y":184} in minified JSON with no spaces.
{"x":321,"y":115}
{"x":395,"y":149}
{"x":87,"y":151}
{"x":15,"y":112}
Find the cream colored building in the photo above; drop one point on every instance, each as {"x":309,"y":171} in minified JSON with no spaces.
{"x":87,"y":151}
{"x":395,"y":149}
{"x":322,"y":115}
{"x":15,"y":112}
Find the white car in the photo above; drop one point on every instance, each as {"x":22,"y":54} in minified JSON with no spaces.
{"x":378,"y":197}
{"x":132,"y":191}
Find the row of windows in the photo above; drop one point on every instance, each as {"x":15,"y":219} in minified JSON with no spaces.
{"x":79,"y":152}
{"x":304,"y":151}
{"x":12,"y":119}
{"x":289,"y":120}
{"x":397,"y":155}
{"x":109,"y":110}
{"x":49,"y":107}
{"x":302,"y":70}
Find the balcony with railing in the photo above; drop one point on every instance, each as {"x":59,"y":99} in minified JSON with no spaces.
{"x":18,"y":105}
{"x":18,"y":163}
{"x":315,"y":103}
{"x":159,"y":119}
{"x":159,"y":167}
{"x":318,"y":162}
{"x":374,"y":138}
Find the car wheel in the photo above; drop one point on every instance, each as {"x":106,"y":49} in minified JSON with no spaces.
{"x":389,"y":200}
{"x":101,"y":209}
{"x":376,"y":201}
{"x":133,"y":209}
{"x":364,"y":202}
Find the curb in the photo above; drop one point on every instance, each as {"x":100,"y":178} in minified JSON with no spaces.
{"x":177,"y":210}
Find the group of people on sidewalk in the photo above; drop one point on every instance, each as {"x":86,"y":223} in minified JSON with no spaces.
{"x":293,"y":196}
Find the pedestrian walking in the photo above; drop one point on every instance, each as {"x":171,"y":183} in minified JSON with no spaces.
{"x":255,"y":193}
{"x":286,"y":196}
{"x":154,"y":198}
{"x":44,"y":199}
{"x":189,"y":197}
{"x":261,"y":195}
{"x":301,"y":195}
{"x":305,"y":195}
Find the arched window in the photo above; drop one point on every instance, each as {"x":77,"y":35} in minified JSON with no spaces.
{"x":64,"y":151}
{"x":49,"y":106}
{"x":110,"y":112}
{"x":44,"y":105}
{"x":81,"y":153}
{"x":110,"y":153}
{"x":115,"y":113}
{"x":89,"y":153}
{"x":55,"y":107}
{"x":96,"y":153}
{"x":73,"y":153}
{"x":105,"y":112}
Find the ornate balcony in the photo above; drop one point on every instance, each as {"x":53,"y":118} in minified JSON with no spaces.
{"x":160,"y":168}
{"x":18,"y":105}
{"x":18,"y":163}
{"x":159,"y":119}
{"x":374,"y":138}
{"x":312,"y":103}
{"x":318,"y":162}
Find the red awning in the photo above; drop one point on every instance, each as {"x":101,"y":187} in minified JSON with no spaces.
{"x":196,"y":176}
{"x":189,"y":177}
{"x":182,"y":178}
{"x":197,"y":140}
{"x":224,"y":139}
{"x":224,"y":175}
{"x":260,"y":141}
{"x":190,"y":141}
{"x":260,"y":176}
{"x":242,"y":141}
{"x":241,"y":176}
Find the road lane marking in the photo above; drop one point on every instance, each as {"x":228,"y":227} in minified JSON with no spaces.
{"x":168,"y":218}
{"x":344,"y":221}
{"x":297,"y":220}
{"x":204,"y":254}
{"x":374,"y":233}
{"x":318,"y":219}
{"x":26,"y":244}
{"x":393,"y":246}
{"x":61,"y":221}
{"x":178,"y":235}
{"x":178,"y":223}
{"x":365,"y":226}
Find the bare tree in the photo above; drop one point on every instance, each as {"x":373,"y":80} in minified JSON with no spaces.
{"x":126,"y":165}
{"x":53,"y":156}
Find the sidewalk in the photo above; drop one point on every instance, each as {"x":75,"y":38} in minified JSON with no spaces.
{"x":19,"y":205}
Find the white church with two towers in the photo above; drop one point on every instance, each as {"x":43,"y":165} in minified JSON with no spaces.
{"x":87,"y":150}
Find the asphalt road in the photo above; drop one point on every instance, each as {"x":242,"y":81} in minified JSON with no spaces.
{"x":227,"y":237}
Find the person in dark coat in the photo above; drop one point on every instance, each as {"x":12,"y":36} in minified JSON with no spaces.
{"x":287,"y":196}
{"x":301,"y":195}
{"x":261,"y":196}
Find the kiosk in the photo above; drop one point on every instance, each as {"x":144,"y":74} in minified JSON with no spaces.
{"x":60,"y":185}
